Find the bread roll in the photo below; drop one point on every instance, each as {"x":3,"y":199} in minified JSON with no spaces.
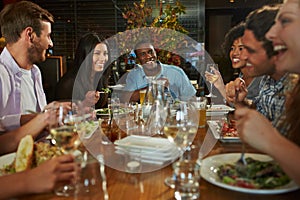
{"x":24,"y":154}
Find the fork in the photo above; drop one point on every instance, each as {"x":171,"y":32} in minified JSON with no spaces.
{"x":241,"y":164}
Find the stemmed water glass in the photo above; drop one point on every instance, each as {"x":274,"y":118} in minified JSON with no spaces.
{"x":180,"y":128}
{"x":211,"y":77}
{"x":86,"y":126}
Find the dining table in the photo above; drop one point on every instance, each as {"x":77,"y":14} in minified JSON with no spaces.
{"x":106,"y":182}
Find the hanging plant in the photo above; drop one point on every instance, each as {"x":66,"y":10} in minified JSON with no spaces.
{"x":170,"y":18}
{"x":140,"y":15}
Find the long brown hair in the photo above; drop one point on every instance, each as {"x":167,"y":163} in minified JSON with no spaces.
{"x":86,"y":78}
{"x":292,"y":114}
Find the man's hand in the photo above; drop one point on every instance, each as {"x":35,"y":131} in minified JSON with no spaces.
{"x":67,"y":105}
{"x":165,"y":79}
{"x":236,"y":91}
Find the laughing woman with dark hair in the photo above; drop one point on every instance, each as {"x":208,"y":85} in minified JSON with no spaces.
{"x":89,"y":74}
{"x":233,"y":47}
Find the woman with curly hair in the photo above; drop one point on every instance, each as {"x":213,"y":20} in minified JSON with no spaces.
{"x":233,"y":47}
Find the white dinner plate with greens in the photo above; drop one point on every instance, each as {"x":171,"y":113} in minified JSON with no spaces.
{"x":209,"y":173}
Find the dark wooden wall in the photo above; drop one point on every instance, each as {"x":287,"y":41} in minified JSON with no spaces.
{"x":73,"y":18}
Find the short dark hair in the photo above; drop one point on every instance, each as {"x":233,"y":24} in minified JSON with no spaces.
{"x":259,"y":22}
{"x":15,"y":17}
{"x":233,"y":34}
{"x":139,"y":43}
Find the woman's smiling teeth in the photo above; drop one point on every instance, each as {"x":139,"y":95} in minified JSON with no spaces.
{"x":100,"y":64}
{"x":279,"y":48}
{"x":235,"y":60}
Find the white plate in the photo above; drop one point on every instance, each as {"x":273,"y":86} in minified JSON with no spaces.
{"x":219,"y":108}
{"x":7,"y":160}
{"x":151,"y":157}
{"x":216,"y":110}
{"x":122,"y":111}
{"x":146,"y":143}
{"x":101,"y":114}
{"x":210,"y":164}
{"x":87,"y":129}
{"x":216,"y":129}
{"x":152,"y":150}
{"x":160,"y":154}
{"x":117,"y":87}
{"x":75,"y":118}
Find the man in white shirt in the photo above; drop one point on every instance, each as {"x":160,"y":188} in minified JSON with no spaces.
{"x":26,"y":28}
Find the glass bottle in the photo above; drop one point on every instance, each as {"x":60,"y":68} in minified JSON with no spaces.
{"x":158,"y":113}
{"x":149,"y":98}
{"x":168,"y":96}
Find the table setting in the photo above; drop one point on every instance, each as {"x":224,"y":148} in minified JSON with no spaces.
{"x":136,"y":164}
{"x":151,"y":185}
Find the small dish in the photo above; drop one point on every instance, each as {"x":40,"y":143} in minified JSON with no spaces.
{"x":216,"y":129}
{"x":102,"y":113}
{"x":117,"y":87}
{"x":216,"y":110}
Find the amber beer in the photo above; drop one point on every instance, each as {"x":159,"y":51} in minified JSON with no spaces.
{"x":202,"y":118}
{"x":201,"y":102}
{"x":142,"y":96}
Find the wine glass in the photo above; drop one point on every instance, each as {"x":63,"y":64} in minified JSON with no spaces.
{"x":181,"y":128}
{"x":65,"y":137}
{"x":211,"y":77}
{"x":86,"y":126}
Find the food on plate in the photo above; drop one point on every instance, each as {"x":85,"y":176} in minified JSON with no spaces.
{"x":106,"y":90}
{"x":106,"y":111}
{"x":87,"y":128}
{"x":259,"y":175}
{"x":44,"y":151}
{"x":112,"y":130}
{"x":30,"y":155}
{"x":102,"y":111}
{"x":229,"y":129}
{"x":24,"y":154}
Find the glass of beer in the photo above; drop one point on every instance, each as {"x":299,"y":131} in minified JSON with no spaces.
{"x":142,"y":95}
{"x":201,"y":107}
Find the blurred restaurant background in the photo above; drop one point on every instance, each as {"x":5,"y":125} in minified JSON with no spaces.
{"x":205,"y":21}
